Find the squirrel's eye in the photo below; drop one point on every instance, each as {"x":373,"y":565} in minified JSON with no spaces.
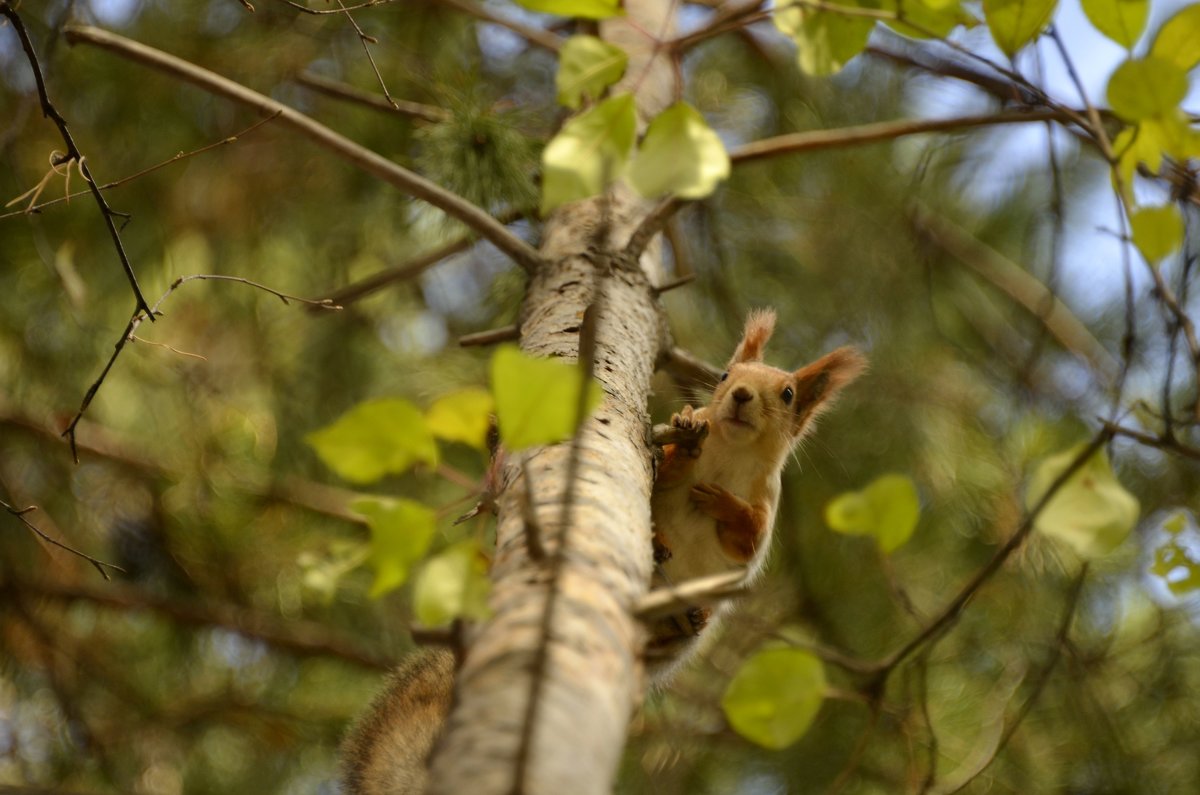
{"x":724,"y":375}
{"x":787,"y":395}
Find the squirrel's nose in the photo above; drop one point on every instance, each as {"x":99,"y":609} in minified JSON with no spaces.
{"x":742,"y":395}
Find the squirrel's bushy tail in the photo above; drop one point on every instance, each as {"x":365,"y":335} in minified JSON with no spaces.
{"x":387,"y":751}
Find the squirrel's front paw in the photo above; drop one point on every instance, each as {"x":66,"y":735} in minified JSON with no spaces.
{"x":687,"y":421}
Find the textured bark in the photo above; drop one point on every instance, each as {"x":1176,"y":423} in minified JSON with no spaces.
{"x":585,"y":673}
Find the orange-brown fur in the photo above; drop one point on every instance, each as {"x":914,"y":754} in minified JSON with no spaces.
{"x":714,"y":501}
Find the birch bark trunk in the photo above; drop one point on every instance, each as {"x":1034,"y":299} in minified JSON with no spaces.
{"x":562,"y":636}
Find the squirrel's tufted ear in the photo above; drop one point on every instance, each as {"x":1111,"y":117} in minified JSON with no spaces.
{"x":817,"y":384}
{"x":759,"y":327}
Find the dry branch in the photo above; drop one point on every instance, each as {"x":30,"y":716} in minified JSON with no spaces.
{"x":415,"y":185}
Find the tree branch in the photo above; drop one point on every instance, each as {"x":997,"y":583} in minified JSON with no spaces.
{"x":19,"y":514}
{"x":73,"y":154}
{"x":340,"y":90}
{"x":415,"y":185}
{"x":303,"y":637}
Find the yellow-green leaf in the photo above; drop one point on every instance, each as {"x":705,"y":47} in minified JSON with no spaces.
{"x":1176,"y":523}
{"x":1157,"y":231}
{"x":887,"y":509}
{"x":1120,"y":20}
{"x":591,"y":148}
{"x":1091,"y":511}
{"x":452,"y":585}
{"x":1015,"y":23}
{"x":400,"y":534}
{"x":1178,"y":40}
{"x":587,"y":66}
{"x":587,"y":9}
{"x":825,"y":40}
{"x":536,"y":398}
{"x":375,"y":438}
{"x":922,"y":19}
{"x":1153,"y":138}
{"x":462,"y":416}
{"x":680,"y":155}
{"x":1146,"y":88}
{"x":1177,"y":568}
{"x":775,"y":696}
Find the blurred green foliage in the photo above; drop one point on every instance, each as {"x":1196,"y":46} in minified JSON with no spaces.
{"x":242,"y":639}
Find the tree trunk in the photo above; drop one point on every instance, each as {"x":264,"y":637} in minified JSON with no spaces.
{"x":549,"y":683}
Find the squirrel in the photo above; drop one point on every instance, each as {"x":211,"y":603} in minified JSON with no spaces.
{"x":715,"y":496}
{"x":713,"y":506}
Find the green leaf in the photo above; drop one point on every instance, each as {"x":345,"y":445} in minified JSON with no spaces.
{"x":825,"y":41}
{"x":1174,"y":564}
{"x":462,"y":416}
{"x":400,"y":534}
{"x":1152,"y":139}
{"x":775,"y":696}
{"x":452,"y":585}
{"x":934,"y":18}
{"x":1157,"y":231}
{"x":1120,"y":20}
{"x":1015,"y":23}
{"x":1176,"y":523}
{"x":588,"y":9}
{"x":887,"y":509}
{"x":535,"y":398}
{"x":587,"y":66}
{"x":1092,"y":511}
{"x":591,"y":148}
{"x":1146,"y":88}
{"x":375,"y":438}
{"x":680,"y":155}
{"x":1178,"y":40}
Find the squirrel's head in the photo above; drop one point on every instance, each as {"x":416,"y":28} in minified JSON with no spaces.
{"x":759,"y":405}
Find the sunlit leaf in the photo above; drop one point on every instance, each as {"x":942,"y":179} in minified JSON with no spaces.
{"x":1176,"y":566}
{"x":591,"y":148}
{"x":536,"y":398}
{"x":1145,"y":88}
{"x":1176,"y":523}
{"x":400,"y":534}
{"x":825,"y":41}
{"x":375,"y":438}
{"x":587,"y":66}
{"x":588,"y":9}
{"x":1178,"y":40}
{"x":775,"y":696}
{"x":923,"y":19}
{"x":1120,"y":20}
{"x":452,"y":585}
{"x":887,"y":509}
{"x":1015,"y":23}
{"x":1157,"y":231}
{"x":462,"y":416}
{"x":1092,"y":511}
{"x":680,"y":155}
{"x":1152,"y":139}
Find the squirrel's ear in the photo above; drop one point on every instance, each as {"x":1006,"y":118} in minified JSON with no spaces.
{"x":817,"y":384}
{"x":759,"y":326}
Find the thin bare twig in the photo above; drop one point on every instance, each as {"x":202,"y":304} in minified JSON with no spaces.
{"x":491,"y":336}
{"x":139,"y":317}
{"x":538,"y":36}
{"x":476,"y":218}
{"x":366,"y":42}
{"x":694,"y":593}
{"x":20,"y":513}
{"x":149,"y":170}
{"x":950,"y":613}
{"x":73,"y":154}
{"x":339,"y":90}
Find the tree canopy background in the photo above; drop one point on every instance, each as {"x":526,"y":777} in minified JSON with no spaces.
{"x":240,"y":638}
